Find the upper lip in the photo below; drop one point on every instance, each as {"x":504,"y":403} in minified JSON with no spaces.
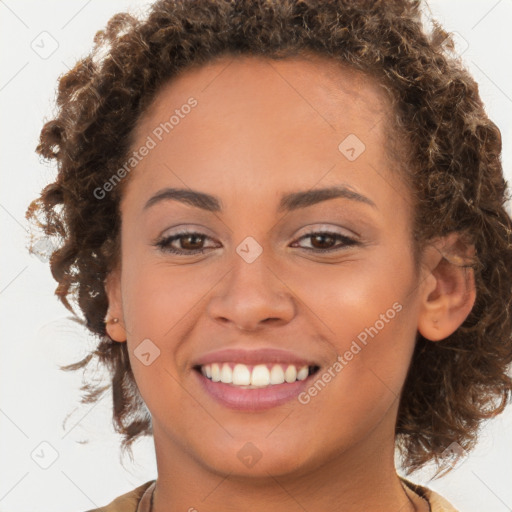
{"x":259,"y":356}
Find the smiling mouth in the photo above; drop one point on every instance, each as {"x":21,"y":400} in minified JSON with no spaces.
{"x":255,"y":376}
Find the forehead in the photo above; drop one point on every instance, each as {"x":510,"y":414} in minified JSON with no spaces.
{"x":256,"y":116}
{"x":317,"y":84}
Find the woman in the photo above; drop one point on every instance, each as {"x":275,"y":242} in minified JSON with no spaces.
{"x":284,"y":221}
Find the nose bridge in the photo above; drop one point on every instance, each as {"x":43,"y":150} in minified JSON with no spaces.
{"x":252,"y":292}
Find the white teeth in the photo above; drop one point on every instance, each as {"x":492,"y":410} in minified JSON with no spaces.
{"x":226,"y":374}
{"x":277,"y":374}
{"x":260,"y":376}
{"x":290,"y":375}
{"x":303,"y":373}
{"x":241,"y":375}
{"x":215,"y":372}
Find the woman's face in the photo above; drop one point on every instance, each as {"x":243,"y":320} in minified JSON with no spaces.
{"x":248,"y":142}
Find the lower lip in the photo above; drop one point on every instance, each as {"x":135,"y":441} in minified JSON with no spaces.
{"x":253,"y":399}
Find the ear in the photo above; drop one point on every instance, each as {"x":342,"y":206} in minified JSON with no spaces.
{"x":116,"y":330}
{"x":448,"y":289}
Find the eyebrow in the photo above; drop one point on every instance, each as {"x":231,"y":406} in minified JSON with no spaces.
{"x":289,"y":202}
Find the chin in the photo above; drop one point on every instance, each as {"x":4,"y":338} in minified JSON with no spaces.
{"x":256,"y":458}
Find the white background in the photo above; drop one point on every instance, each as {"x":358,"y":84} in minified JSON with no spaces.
{"x":36,"y":335}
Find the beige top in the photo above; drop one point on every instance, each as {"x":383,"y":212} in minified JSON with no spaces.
{"x":139,"y":499}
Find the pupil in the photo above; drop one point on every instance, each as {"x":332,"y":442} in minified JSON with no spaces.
{"x":194,"y":237}
{"x":323,"y":237}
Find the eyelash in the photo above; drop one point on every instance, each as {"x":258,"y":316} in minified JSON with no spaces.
{"x":165,"y":243}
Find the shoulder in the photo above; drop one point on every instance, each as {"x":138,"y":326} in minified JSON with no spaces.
{"x":436,"y":501}
{"x":127,"y":502}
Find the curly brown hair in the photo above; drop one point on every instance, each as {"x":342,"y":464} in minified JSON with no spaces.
{"x":452,"y":163}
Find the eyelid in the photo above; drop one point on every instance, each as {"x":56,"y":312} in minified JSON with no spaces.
{"x":349,"y":233}
{"x":184,"y":228}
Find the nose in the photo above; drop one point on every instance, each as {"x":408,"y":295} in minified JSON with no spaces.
{"x":252,"y":296}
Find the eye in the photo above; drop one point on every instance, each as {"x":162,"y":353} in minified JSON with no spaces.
{"x":327,"y":238}
{"x":191,"y":242}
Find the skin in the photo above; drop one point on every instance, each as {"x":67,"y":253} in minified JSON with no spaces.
{"x":262,"y":129}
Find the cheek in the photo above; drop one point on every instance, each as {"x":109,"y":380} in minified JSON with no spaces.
{"x":355,"y":295}
{"x":362,"y":385}
{"x":367,"y":316}
{"x":157,"y":295}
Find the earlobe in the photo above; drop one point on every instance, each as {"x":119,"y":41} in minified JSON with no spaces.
{"x":448,"y":292}
{"x":114,"y":319}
